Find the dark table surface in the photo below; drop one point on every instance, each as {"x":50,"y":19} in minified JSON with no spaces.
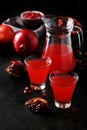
{"x":15,"y":116}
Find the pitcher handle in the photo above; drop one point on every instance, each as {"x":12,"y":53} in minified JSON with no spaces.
{"x":79,"y":32}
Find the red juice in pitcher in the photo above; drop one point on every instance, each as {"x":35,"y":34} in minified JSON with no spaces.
{"x":62,"y":57}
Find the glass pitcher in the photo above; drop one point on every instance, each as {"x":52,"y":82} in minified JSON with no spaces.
{"x":58,"y":43}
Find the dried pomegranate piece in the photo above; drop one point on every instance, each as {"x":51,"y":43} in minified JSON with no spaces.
{"x":16,"y":68}
{"x":37,"y":104}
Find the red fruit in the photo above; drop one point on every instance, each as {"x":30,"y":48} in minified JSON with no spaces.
{"x":26,"y":42}
{"x":37,"y":104}
{"x":16,"y":68}
{"x":27,"y":90}
{"x":6,"y":35}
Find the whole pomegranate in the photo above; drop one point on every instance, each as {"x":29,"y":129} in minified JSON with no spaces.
{"x":6,"y":35}
{"x":25,"y":42}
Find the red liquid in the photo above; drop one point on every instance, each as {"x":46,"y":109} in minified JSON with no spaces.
{"x":63,"y":87}
{"x":62,"y":57}
{"x":37,"y":70}
{"x":32,"y":15}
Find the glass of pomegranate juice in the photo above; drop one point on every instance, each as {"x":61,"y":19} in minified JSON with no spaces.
{"x":63,"y":86}
{"x":37,"y":69}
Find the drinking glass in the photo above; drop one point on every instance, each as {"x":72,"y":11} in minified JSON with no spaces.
{"x":37,"y":69}
{"x":63,"y":86}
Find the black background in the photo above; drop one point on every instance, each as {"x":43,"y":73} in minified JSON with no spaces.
{"x":73,"y":8}
{"x":13,"y":113}
{"x":76,"y":8}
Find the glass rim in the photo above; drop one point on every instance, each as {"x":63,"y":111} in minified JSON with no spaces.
{"x":32,"y":57}
{"x":59,"y":73}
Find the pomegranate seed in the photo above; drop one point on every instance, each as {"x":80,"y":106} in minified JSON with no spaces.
{"x":73,"y":109}
{"x":86,"y":53}
{"x":44,"y":94}
{"x":27,"y":90}
{"x":35,"y":88}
